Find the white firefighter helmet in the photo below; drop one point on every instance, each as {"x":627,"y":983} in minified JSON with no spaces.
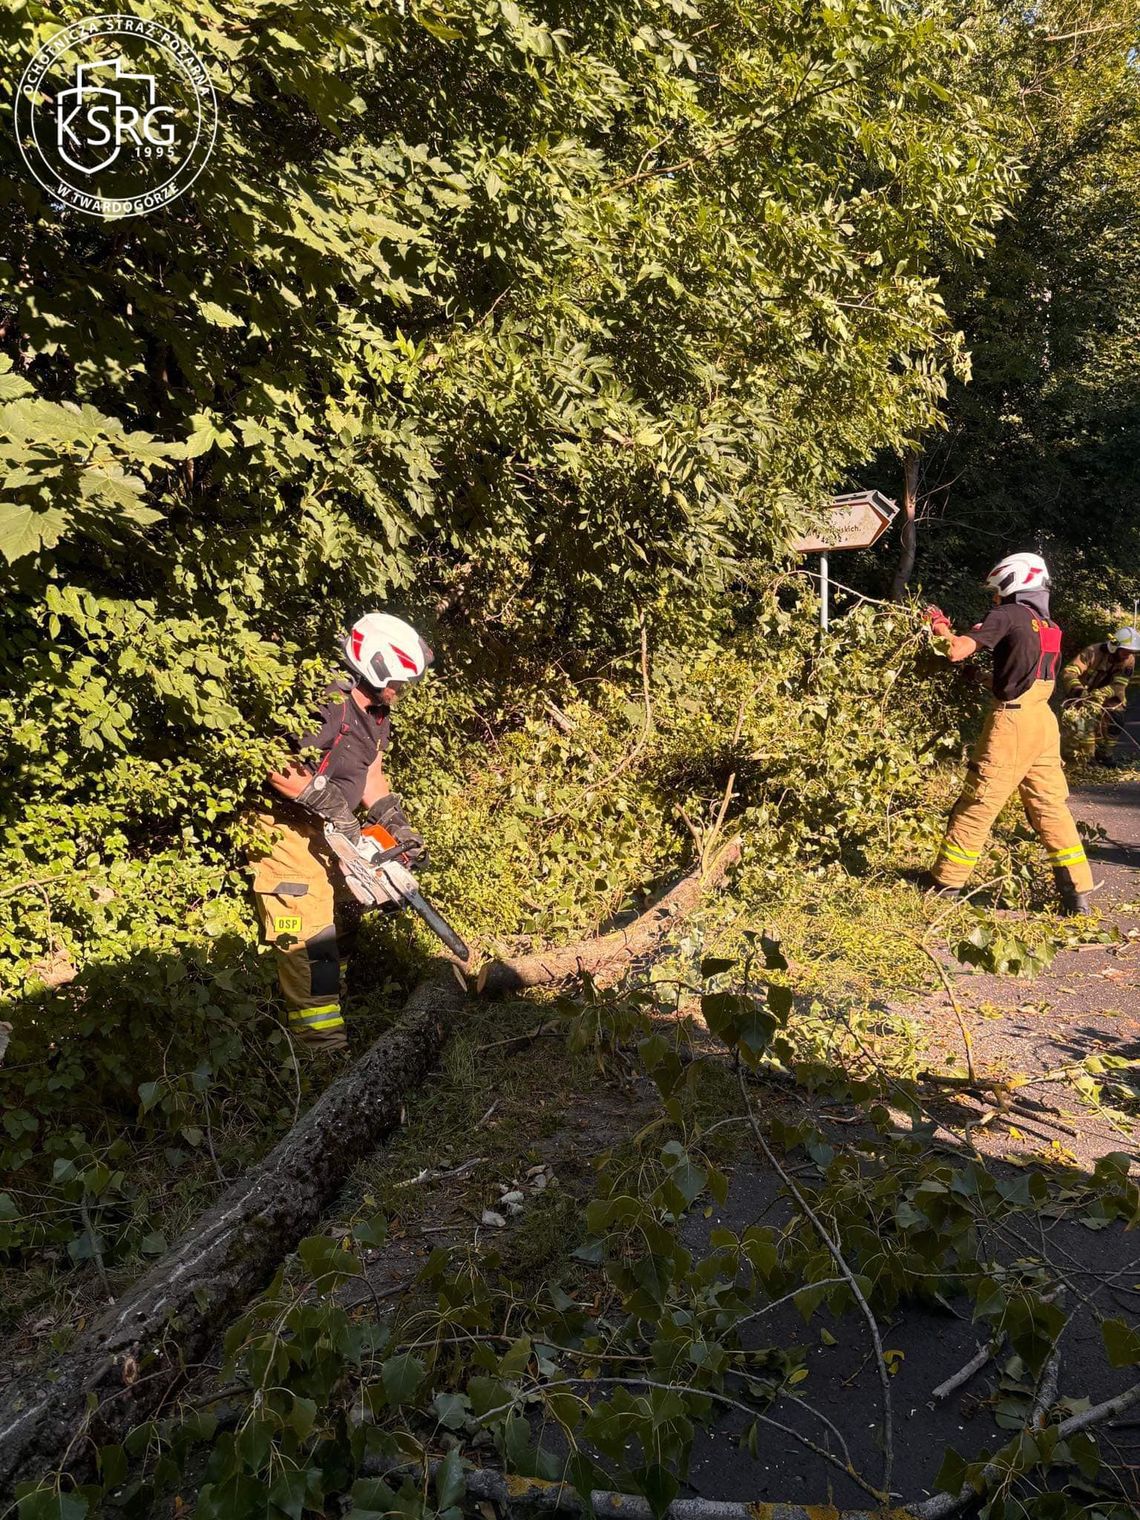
{"x":384,"y":649}
{"x":1019,"y":572}
{"x":1125,"y":638}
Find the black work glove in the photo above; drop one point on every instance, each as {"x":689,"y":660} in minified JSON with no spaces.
{"x":326,"y":799}
{"x":388,"y":811}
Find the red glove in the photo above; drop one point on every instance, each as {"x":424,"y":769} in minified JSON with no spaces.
{"x":938,"y":620}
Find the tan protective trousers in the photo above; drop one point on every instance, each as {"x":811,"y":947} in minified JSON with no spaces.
{"x":299,"y":900}
{"x":1019,"y":749}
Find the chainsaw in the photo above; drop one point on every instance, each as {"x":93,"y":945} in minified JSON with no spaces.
{"x":386,"y":881}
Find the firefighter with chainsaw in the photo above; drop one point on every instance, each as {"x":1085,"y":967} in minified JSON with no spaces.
{"x":322,"y":868}
{"x":1019,"y":748}
{"x":1095,"y":686}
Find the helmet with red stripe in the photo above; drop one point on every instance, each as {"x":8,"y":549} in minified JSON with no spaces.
{"x":385,"y":650}
{"x":1019,"y":572}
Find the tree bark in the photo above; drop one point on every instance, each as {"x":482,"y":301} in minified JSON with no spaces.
{"x":608,"y":955}
{"x":132,"y":1354}
{"x":909,"y":531}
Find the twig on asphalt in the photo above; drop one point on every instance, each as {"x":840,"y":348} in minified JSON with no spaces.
{"x":1047,"y":1383}
{"x":826,"y":1282}
{"x":960,"y":1378}
{"x":1029,"y":1113}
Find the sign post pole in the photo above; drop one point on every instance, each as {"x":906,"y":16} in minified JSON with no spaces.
{"x":823,"y":591}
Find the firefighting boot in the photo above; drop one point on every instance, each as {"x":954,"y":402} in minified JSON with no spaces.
{"x":1072,"y":901}
{"x":932,"y":887}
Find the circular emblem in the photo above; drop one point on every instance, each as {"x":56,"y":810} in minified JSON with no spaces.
{"x":116,"y":116}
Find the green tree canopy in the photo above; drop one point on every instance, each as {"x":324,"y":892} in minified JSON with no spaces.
{"x":1042,"y":447}
{"x":536,"y":314}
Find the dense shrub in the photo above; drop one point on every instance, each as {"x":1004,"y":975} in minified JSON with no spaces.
{"x":146,"y":1032}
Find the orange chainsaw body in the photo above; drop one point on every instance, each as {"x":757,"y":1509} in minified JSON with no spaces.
{"x":377,"y":832}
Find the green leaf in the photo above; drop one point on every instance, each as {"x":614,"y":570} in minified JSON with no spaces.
{"x":218,"y":316}
{"x":684,"y":1176}
{"x":288,"y":1492}
{"x":326,"y":1263}
{"x":951,"y":1478}
{"x":371,"y":1232}
{"x":781,"y":1001}
{"x":1122,"y":1342}
{"x":372,"y":1499}
{"x":759,"y":1243}
{"x":452,"y":1409}
{"x":402,"y":1376}
{"x":450,"y":1484}
{"x":204,"y":436}
{"x":46,"y":1504}
{"x":514,"y":1360}
{"x":659,"y":1486}
{"x":486,"y":1394}
{"x":302,"y":1417}
{"x":25,"y":530}
{"x":774,"y":958}
{"x":148,"y":1094}
{"x":12,"y":386}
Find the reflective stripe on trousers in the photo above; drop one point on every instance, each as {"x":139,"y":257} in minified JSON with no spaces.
{"x":328,"y":1017}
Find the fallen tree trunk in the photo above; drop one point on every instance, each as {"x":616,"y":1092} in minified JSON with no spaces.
{"x":609,"y":954}
{"x":129,"y":1358}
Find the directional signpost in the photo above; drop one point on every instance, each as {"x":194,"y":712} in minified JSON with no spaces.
{"x":854,"y":521}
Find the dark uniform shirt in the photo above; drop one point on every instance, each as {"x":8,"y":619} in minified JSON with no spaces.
{"x":350,"y":738}
{"x":1026,"y":648}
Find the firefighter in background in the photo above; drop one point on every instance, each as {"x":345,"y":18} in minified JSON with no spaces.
{"x":306,"y":911}
{"x":1020,"y":744}
{"x":1095,"y":685}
